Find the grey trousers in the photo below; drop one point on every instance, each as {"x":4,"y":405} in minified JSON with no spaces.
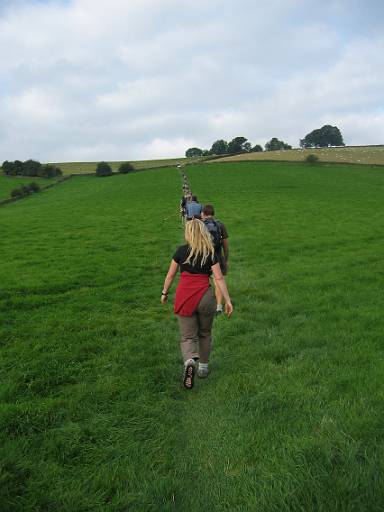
{"x":195,"y":330}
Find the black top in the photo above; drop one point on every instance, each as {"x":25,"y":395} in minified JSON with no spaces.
{"x":182,"y":254}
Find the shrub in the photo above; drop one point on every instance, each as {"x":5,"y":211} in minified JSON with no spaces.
{"x":31,"y":168}
{"x":34,"y":187}
{"x":25,"y":190}
{"x":18,"y":167}
{"x":103,"y":169}
{"x":126,"y":167}
{"x":17,"y":192}
{"x":13,"y":168}
{"x":7,"y":167}
{"x":50,"y":171}
{"x":311,"y":159}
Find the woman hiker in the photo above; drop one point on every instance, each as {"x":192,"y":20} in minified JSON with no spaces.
{"x":195,"y":303}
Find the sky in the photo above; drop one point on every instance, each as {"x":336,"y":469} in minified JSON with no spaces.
{"x":141,"y":79}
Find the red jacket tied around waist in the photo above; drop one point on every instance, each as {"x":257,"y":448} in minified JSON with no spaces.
{"x":189,"y":293}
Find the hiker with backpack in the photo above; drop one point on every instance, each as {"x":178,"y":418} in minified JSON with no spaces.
{"x":194,"y":209}
{"x":183,"y":205}
{"x":195,"y":303}
{"x":219,"y":235}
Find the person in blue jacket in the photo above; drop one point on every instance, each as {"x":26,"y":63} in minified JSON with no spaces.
{"x":194,"y":209}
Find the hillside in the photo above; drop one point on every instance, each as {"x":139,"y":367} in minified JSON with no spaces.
{"x":8,"y":183}
{"x":89,"y":167}
{"x":373,"y":155}
{"x":93,"y":416}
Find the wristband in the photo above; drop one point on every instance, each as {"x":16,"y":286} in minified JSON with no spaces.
{"x":162,"y":293}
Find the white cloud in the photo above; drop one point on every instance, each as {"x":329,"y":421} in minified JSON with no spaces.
{"x":165,"y":148}
{"x":34,"y":106}
{"x":91,"y":79}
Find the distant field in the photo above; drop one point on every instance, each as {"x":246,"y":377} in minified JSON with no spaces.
{"x":357,"y":155}
{"x":7,"y":184}
{"x":89,"y":167}
{"x":93,"y":417}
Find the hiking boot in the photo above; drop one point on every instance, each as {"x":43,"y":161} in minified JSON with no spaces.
{"x":189,"y":373}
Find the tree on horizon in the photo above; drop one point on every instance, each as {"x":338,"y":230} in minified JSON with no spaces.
{"x":275,"y":144}
{"x":323,"y":137}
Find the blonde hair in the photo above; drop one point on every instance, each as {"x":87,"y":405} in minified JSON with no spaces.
{"x":200,"y":241}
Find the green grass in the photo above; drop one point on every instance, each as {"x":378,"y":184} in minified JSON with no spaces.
{"x":373,"y":155}
{"x":93,"y":417}
{"x":8,"y":183}
{"x":89,"y":167}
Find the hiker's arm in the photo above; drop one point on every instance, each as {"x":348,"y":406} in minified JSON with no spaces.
{"x":220,"y":281}
{"x":226,"y":249}
{"x":172,"y":271}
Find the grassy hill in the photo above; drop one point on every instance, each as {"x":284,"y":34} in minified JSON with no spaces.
{"x":373,"y":155}
{"x":89,"y":167}
{"x":92,"y":413}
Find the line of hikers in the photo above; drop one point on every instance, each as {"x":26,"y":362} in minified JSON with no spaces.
{"x":190,"y":208}
{"x":206,"y":252}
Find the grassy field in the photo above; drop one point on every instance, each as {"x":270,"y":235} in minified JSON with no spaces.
{"x":92,"y":414}
{"x":373,"y":155}
{"x":8,"y":183}
{"x":89,"y":167}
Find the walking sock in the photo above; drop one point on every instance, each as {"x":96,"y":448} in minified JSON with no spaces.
{"x":203,"y":366}
{"x":219,"y":308}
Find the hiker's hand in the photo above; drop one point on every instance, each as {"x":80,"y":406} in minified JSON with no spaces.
{"x":228,"y":308}
{"x":164,"y":299}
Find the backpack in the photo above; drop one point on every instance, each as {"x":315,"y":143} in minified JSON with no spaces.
{"x":215,"y":232}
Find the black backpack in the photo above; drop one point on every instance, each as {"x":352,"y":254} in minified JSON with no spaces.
{"x":215,"y":232}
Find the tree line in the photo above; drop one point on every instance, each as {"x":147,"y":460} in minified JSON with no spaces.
{"x":321,"y":137}
{"x":30,"y":168}
{"x":36,"y":169}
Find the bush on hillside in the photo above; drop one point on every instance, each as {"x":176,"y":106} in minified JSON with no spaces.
{"x":25,"y":190}
{"x":6,"y":167}
{"x":126,"y":167}
{"x":34,"y":187}
{"x":31,"y":168}
{"x":13,"y":168}
{"x":17,"y":192}
{"x":311,"y":159}
{"x":103,"y":169}
{"x":18,"y":168}
{"x":49,"y":171}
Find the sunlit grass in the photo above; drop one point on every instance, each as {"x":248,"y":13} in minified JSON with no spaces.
{"x":93,"y":416}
